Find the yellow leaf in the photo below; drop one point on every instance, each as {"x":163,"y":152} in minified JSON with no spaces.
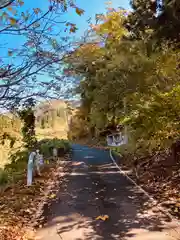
{"x":176,"y":210}
{"x":108,"y":3}
{"x":13,"y":21}
{"x":79,"y":11}
{"x":52,"y":196}
{"x":103,"y":217}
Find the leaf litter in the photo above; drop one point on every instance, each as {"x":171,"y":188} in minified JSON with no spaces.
{"x":20,"y":203}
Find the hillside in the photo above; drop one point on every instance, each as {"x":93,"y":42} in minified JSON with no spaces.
{"x":49,"y":114}
{"x":51,"y":119}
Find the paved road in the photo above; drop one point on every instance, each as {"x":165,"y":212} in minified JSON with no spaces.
{"x":97,"y":188}
{"x":90,"y":156}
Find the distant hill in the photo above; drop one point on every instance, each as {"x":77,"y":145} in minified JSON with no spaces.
{"x":48,"y":106}
{"x":49,"y":114}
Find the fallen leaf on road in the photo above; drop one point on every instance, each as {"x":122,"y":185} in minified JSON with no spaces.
{"x":103,"y":217}
{"x":176,"y":210}
{"x":52,"y":196}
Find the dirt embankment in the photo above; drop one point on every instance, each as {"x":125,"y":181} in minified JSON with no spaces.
{"x":21,"y":206}
{"x":159,"y":176}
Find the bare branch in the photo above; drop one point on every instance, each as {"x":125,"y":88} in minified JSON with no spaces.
{"x":7,"y":4}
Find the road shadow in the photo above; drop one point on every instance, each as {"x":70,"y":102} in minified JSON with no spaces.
{"x":101,"y":190}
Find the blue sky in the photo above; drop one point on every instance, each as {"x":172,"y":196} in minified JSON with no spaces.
{"x":91,"y":8}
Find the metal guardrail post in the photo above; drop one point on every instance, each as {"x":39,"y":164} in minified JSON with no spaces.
{"x":30,"y":168}
{"x":35,"y":159}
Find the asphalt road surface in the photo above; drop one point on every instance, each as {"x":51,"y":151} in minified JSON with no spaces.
{"x":94,"y":187}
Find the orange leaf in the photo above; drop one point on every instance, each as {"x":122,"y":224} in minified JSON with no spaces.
{"x":12,"y":10}
{"x":9,"y":8}
{"x":79,"y":11}
{"x":13,"y":21}
{"x":21,"y":3}
{"x":36,"y":10}
{"x":73,"y":28}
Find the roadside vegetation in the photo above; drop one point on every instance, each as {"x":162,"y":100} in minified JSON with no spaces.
{"x":19,"y":202}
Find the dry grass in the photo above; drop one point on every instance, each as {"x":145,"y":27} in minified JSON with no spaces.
{"x":6,"y":151}
{"x":57,"y":131}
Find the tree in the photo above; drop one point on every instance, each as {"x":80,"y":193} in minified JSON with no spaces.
{"x":157,"y":19}
{"x":26,"y":114}
{"x":42,"y":123}
{"x":168,"y":21}
{"x":124,"y":68}
{"x":41,"y":50}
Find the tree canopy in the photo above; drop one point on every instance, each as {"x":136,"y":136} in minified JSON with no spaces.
{"x":124,"y":63}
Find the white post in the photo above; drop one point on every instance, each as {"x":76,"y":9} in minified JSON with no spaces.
{"x":55,"y":153}
{"x":30,"y":168}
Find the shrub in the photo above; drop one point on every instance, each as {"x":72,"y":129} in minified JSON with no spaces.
{"x":18,"y":161}
{"x":3,"y":177}
{"x":46,"y":145}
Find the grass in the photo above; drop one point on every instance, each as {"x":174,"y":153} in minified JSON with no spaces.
{"x":3,"y":177}
{"x":6,"y":151}
{"x":60,"y":133}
